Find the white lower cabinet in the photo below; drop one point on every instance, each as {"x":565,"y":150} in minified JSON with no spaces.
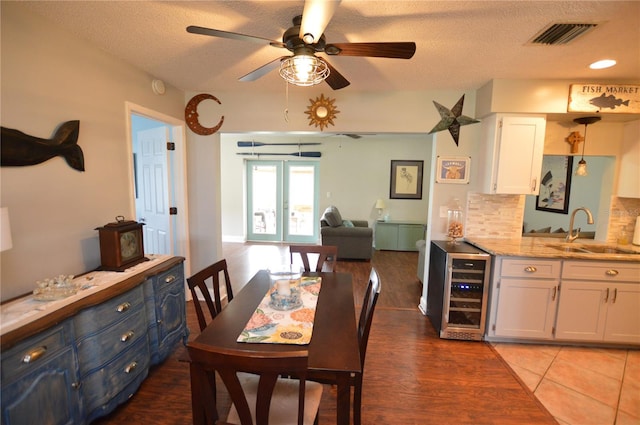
{"x":526,"y":298}
{"x":565,"y":300}
{"x":599,"y":302}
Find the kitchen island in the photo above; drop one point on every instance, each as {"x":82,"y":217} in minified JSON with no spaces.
{"x":543,"y":290}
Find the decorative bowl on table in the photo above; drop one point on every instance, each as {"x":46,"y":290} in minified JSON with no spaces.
{"x":285,"y":283}
{"x":55,"y":288}
{"x":286,"y":301}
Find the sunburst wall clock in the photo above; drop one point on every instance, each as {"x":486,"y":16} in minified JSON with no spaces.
{"x":322,"y":112}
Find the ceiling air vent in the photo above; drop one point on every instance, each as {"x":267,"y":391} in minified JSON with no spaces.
{"x":562,"y":33}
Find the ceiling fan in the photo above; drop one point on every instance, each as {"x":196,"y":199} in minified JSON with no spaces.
{"x":306,"y":38}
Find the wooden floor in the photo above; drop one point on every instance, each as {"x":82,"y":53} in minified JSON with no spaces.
{"x":411,"y":375}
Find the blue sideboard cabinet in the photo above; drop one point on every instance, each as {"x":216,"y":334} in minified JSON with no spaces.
{"x":166,"y":320}
{"x":82,"y":368}
{"x":40,"y":379}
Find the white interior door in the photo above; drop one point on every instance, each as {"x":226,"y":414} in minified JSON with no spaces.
{"x":152,"y":207}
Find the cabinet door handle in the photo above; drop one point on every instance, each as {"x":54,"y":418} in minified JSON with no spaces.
{"x":127,"y":336}
{"x":555,"y":292}
{"x":169,"y":278}
{"x":615,"y":295}
{"x":76,"y":385}
{"x":606,"y":297}
{"x":611,"y":272}
{"x":530,"y":269}
{"x":34,"y":354}
{"x":130,"y":367}
{"x":535,"y":184}
{"x":123,"y":307}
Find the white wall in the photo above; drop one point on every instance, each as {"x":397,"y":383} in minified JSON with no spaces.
{"x":354,"y":173}
{"x":48,"y":77}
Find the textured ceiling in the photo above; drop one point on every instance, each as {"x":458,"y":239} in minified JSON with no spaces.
{"x":460,"y":44}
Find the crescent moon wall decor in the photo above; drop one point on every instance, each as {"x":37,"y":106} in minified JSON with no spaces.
{"x":452,"y":119}
{"x":191,"y":115}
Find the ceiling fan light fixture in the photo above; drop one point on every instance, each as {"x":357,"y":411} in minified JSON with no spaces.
{"x":304,"y":70}
{"x":308,"y":38}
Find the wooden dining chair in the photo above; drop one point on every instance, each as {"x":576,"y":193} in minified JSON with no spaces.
{"x":327,"y":256}
{"x":364,"y":326}
{"x":259,"y":395}
{"x":200,"y":290}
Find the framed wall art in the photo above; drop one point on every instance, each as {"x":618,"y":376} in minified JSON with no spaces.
{"x":406,"y":179}
{"x":555,"y":184}
{"x":454,"y":169}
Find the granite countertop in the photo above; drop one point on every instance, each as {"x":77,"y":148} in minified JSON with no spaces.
{"x":554,"y":248}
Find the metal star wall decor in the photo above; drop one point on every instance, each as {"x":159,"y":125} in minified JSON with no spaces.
{"x":452,"y":119}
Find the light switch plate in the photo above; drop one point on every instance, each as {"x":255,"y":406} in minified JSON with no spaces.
{"x":443,"y":212}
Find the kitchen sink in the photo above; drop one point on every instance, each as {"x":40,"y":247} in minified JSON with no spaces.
{"x":565,"y":248}
{"x":589,"y":249}
{"x":607,"y":250}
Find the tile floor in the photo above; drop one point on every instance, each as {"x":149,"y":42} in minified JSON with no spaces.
{"x":579,"y":385}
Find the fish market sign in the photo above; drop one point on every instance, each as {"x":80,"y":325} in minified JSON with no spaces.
{"x":605,"y":98}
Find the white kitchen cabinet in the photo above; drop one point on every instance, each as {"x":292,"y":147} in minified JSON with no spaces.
{"x":629,"y":176}
{"x":512,"y":155}
{"x":599,"y":302}
{"x":524,"y":298}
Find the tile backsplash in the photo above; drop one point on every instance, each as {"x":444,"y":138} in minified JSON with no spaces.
{"x":623,"y":217}
{"x":501,"y":216}
{"x":494,"y":216}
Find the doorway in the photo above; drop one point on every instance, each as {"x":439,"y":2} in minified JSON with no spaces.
{"x":282,"y":201}
{"x":159,"y":182}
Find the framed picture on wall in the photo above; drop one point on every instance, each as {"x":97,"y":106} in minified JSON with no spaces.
{"x":555,"y":184}
{"x":406,"y":179}
{"x":453,"y":169}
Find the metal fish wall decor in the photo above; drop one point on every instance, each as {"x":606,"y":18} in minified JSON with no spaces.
{"x":19,"y":149}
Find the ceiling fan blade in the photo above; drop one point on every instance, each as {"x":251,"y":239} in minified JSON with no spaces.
{"x":233,"y":35}
{"x":263,"y":70}
{"x":335,"y":80}
{"x":315,"y":18}
{"x":396,"y":50}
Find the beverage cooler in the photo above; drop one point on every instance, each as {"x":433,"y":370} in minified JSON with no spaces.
{"x":458,"y":290}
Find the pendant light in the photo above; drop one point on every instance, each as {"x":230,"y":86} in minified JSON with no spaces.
{"x":582,"y":164}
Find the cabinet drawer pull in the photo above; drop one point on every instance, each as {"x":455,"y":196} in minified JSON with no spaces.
{"x":530,"y":269}
{"x":615,"y":295}
{"x":34,"y":355}
{"x":606,"y":297}
{"x":131,"y":367}
{"x":123,"y":307}
{"x":76,"y":385}
{"x":611,"y":272}
{"x":169,"y":278}
{"x":127,"y":336}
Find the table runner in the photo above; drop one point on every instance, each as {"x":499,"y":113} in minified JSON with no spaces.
{"x":268,"y":325}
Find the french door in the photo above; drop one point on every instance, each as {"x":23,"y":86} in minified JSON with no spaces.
{"x":282,"y":201}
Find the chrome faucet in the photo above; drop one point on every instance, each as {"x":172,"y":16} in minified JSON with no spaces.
{"x":571,"y":236}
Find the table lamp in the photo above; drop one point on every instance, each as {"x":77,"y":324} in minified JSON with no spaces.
{"x":379,"y":207}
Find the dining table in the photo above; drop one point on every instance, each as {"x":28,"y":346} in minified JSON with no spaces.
{"x":332,"y":349}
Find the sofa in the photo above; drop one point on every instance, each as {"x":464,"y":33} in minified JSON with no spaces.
{"x":354,"y":238}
